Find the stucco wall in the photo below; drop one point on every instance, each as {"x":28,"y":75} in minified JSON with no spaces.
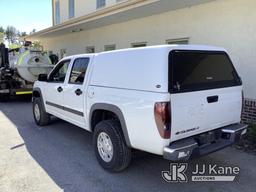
{"x":82,"y":7}
{"x":64,"y":11}
{"x":225,"y":23}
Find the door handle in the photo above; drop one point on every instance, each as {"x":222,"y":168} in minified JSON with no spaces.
{"x":59,"y":89}
{"x":78,"y":92}
{"x":213,"y":99}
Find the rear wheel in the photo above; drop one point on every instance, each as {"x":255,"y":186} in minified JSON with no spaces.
{"x":110,"y":148}
{"x":41,"y":117}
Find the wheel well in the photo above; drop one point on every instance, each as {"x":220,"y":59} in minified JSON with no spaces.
{"x":36,"y":94}
{"x":100,"y":115}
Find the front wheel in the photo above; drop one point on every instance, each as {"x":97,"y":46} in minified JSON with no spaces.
{"x":110,"y":148}
{"x":41,"y":117}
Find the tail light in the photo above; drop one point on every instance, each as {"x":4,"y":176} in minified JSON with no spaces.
{"x":162,"y":112}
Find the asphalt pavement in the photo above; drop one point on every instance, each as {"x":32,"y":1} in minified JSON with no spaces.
{"x":60,"y":157}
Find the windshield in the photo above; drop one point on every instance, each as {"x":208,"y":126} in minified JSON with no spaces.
{"x":201,"y":70}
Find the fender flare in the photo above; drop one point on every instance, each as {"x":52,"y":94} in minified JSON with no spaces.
{"x":38,"y":90}
{"x":116,"y":110}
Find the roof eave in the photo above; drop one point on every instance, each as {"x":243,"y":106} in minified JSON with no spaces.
{"x":122,"y":6}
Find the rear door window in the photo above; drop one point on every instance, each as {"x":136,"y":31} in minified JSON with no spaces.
{"x":78,"y":71}
{"x":200,"y":70}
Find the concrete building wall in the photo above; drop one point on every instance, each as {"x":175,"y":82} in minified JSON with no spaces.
{"x":82,"y":7}
{"x":64,"y":13}
{"x":226,"y":23}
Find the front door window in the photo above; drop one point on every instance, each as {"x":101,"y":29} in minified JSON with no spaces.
{"x":59,"y":74}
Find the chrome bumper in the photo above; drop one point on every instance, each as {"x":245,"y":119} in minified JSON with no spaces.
{"x":189,"y":148}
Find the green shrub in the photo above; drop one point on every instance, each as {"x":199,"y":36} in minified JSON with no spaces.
{"x":252,"y":132}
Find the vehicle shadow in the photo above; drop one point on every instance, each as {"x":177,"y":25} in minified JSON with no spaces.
{"x":66,"y":153}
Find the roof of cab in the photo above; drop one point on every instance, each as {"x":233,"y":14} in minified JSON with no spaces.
{"x":164,"y":47}
{"x":170,"y":48}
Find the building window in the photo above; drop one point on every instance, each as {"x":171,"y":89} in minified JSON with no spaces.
{"x":100,"y":3}
{"x":57,"y":12}
{"x":141,"y":44}
{"x":181,"y":41}
{"x":90,"y":49}
{"x":109,"y":47}
{"x":63,"y":53}
{"x":71,"y":9}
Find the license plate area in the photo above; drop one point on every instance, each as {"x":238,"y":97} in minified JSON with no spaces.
{"x":208,"y":137}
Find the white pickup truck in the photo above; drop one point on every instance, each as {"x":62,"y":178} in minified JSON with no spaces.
{"x":177,"y":101}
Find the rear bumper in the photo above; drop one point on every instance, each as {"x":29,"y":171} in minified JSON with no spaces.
{"x":14,"y":92}
{"x":4,"y":91}
{"x":189,"y":148}
{"x":23,"y":91}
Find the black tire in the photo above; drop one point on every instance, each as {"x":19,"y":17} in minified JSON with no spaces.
{"x":121,"y":152}
{"x":44,"y":117}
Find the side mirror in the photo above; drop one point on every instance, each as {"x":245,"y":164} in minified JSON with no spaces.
{"x":42,"y":77}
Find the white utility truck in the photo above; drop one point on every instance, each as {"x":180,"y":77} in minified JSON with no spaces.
{"x":19,"y":68}
{"x":179,"y":101}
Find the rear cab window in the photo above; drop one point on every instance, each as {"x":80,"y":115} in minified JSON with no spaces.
{"x":200,"y":70}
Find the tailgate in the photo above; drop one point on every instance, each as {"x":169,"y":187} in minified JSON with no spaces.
{"x":194,"y":113}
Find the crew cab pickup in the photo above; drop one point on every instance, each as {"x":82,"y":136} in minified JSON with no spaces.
{"x":177,"y":101}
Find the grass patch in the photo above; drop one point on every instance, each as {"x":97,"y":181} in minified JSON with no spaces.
{"x":248,"y":141}
{"x":252,"y":133}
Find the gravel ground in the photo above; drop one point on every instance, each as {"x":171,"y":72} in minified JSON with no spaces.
{"x":60,"y":157}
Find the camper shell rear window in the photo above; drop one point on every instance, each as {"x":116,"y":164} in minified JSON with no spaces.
{"x":200,"y":70}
